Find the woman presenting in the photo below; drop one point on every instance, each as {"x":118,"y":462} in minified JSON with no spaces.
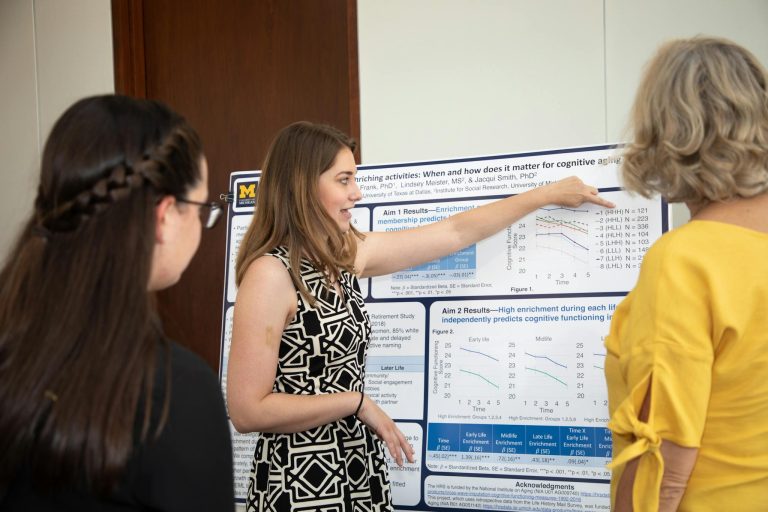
{"x":300,"y":336}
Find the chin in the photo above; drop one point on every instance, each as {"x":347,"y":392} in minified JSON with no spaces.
{"x":163,"y":283}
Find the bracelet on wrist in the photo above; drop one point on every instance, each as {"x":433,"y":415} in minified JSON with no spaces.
{"x":359,"y":405}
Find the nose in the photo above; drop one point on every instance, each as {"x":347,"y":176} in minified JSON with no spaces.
{"x":355,"y":194}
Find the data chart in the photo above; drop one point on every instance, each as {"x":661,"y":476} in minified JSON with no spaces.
{"x":526,"y":377}
{"x":553,"y":250}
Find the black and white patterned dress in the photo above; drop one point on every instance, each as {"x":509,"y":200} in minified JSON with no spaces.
{"x":338,"y":467}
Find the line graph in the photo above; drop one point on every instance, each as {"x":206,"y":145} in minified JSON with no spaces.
{"x":566,"y":237}
{"x":548,"y":364}
{"x":598,"y":354}
{"x":599,"y":364}
{"x":549,"y":367}
{"x":556,"y":208}
{"x":547,"y":358}
{"x":553,"y":249}
{"x":479,"y":353}
{"x":587,"y":248}
{"x":482,"y":363}
{"x":548,"y":375}
{"x":564,"y":232}
{"x":480,"y":376}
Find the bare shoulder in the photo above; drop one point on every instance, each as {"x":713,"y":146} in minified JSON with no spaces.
{"x":267,"y":287}
{"x":266,"y":271}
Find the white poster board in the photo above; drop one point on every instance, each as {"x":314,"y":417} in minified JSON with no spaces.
{"x":491,"y":359}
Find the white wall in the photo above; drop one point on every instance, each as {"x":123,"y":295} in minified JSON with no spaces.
{"x":634,"y":30}
{"x":438,"y":78}
{"x":52,"y":52}
{"x":442,"y":78}
{"x":445,"y":78}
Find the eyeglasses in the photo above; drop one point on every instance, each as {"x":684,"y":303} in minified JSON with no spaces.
{"x":209,"y":212}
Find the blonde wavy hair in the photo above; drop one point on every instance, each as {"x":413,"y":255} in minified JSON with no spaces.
{"x":700,"y":124}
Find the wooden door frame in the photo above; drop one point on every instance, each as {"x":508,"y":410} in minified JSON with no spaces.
{"x":130,"y":70}
{"x":131,"y":28}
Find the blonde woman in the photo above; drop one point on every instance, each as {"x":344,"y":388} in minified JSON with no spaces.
{"x":687,"y":361}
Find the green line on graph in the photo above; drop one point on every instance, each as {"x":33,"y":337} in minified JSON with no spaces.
{"x":478,"y":375}
{"x":548,"y":375}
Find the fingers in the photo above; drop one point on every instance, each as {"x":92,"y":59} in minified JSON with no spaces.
{"x":593,"y":197}
{"x":394,"y":449}
{"x":378,"y":421}
{"x":404,"y":445}
{"x":407,"y":447}
{"x":576,"y":192}
{"x":398,"y":446}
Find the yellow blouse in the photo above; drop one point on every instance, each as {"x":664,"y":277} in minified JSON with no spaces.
{"x":695,"y":329}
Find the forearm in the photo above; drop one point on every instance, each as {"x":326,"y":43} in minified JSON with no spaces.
{"x":678,"y":466}
{"x":623,"y":498}
{"x":387,"y":252}
{"x":479,"y":223}
{"x":286,"y":413}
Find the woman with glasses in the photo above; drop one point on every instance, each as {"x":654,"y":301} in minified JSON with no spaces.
{"x":300,"y":335}
{"x":98,"y":409}
{"x":688,"y":347}
{"x":210,"y":213}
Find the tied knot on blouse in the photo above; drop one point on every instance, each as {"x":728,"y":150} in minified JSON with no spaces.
{"x":646,"y":439}
{"x":625,"y":422}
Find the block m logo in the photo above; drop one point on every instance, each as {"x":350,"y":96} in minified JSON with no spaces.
{"x":247,"y":191}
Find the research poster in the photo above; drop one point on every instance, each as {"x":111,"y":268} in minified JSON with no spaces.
{"x":490,"y":359}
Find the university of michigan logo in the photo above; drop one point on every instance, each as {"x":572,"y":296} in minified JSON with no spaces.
{"x":245,"y":193}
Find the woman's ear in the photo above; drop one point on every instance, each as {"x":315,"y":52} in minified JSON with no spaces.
{"x":163,"y":221}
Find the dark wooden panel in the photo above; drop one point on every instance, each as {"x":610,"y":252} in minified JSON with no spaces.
{"x":128,"y":47}
{"x":240,"y":70}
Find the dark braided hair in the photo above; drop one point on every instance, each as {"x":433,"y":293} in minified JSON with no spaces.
{"x":68,"y":216}
{"x":79,"y":334}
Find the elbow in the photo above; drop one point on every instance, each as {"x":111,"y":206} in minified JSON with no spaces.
{"x":240,"y":425}
{"x":244,"y":419}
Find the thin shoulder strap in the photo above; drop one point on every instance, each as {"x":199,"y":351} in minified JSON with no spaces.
{"x":283,"y":256}
{"x":281,"y":253}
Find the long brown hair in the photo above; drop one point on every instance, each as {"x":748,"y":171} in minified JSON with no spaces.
{"x":288,"y":211}
{"x":78,"y":330}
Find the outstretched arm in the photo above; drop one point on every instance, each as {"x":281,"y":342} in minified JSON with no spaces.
{"x":386,"y":252}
